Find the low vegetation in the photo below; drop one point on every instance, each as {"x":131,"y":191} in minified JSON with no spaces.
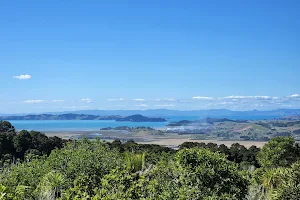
{"x":34,"y":166}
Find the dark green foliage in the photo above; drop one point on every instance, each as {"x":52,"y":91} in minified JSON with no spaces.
{"x":15,"y":145}
{"x":74,"y":170}
{"x":236,"y":153}
{"x":48,"y":168}
{"x":191,"y":145}
{"x":6,"y":127}
{"x":154,"y":152}
{"x":7,"y":132}
{"x":192,"y":174}
{"x":25,"y":141}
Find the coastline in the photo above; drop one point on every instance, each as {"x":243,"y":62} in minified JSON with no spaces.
{"x":167,"y":140}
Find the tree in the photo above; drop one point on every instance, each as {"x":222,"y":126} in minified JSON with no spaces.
{"x":212,"y":171}
{"x":195,"y":173}
{"x":51,"y":185}
{"x":22,"y":142}
{"x":279,"y":183}
{"x":237,"y":152}
{"x":6,"y":127}
{"x":224,"y":149}
{"x":7,"y":132}
{"x":279,"y":152}
{"x":92,"y":159}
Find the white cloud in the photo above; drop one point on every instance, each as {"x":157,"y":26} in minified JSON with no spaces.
{"x":121,"y":99}
{"x":170,"y":99}
{"x":139,"y":99}
{"x":235,"y":97}
{"x":23,"y":77}
{"x":249,"y":97}
{"x":86,"y":100}
{"x":58,"y":101}
{"x":203,"y":98}
{"x":142,"y":105}
{"x":165,"y":105}
{"x":295,"y":95}
{"x":34,"y":101}
{"x":264,"y":97}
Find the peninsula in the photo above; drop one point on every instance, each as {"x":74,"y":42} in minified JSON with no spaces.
{"x":132,"y":118}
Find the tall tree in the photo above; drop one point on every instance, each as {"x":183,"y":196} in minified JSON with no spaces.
{"x":279,"y":152}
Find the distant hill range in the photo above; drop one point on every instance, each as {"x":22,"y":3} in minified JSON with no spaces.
{"x":70,"y":116}
{"x":213,"y":113}
{"x":206,"y":120}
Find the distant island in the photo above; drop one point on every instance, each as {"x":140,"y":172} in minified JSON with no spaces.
{"x":206,"y":120}
{"x":132,"y":118}
{"x":140,"y":118}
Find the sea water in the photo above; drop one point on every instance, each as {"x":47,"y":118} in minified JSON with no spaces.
{"x":77,"y":125}
{"x":96,"y":125}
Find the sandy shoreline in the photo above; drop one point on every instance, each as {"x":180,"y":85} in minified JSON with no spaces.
{"x":177,"y":142}
{"x":171,"y":140}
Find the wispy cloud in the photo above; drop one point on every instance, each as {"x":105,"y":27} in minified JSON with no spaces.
{"x":293,"y":97}
{"x":165,"y":105}
{"x":170,"y":99}
{"x":250,"y":97}
{"x":86,"y":100}
{"x":34,"y":101}
{"x":225,"y":103}
{"x":120,"y":99}
{"x":58,"y":101}
{"x":141,"y":105}
{"x":203,"y":98}
{"x":139,"y":99}
{"x":23,"y":77}
{"x":240,"y":102}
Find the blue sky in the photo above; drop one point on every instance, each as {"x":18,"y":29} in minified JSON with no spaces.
{"x":137,"y":54}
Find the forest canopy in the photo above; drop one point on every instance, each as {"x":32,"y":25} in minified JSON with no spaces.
{"x":34,"y":166}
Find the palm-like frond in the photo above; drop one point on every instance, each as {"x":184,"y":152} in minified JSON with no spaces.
{"x":135,"y":162}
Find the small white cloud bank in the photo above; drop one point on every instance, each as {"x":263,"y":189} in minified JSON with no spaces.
{"x":58,"y":101}
{"x":250,"y":97}
{"x":34,"y":101}
{"x":22,"y":77}
{"x":165,"y":105}
{"x":120,"y":99}
{"x":295,"y":95}
{"x":139,"y":99}
{"x":141,"y":105}
{"x":86,"y":100}
{"x":203,"y":98}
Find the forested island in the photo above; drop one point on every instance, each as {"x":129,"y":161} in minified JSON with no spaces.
{"x":34,"y":166}
{"x":132,"y":118}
